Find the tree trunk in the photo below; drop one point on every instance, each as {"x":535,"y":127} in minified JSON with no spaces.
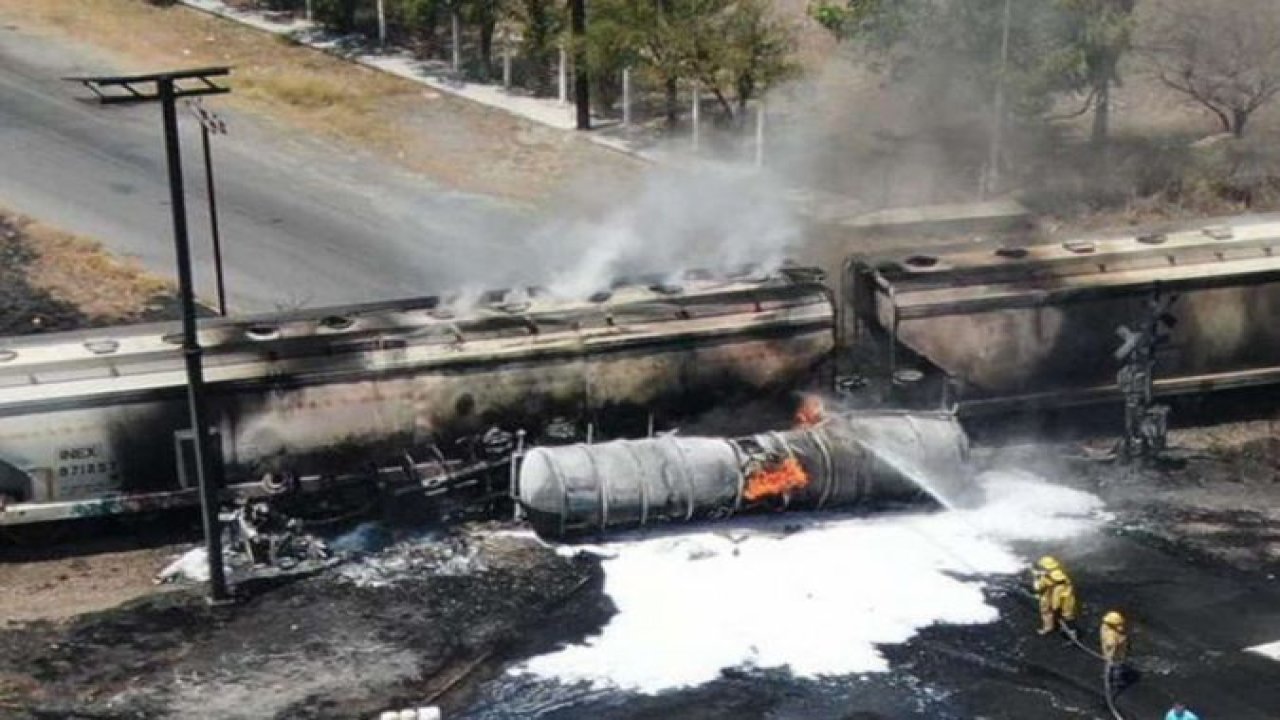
{"x":1101,"y":115}
{"x":487,"y":26}
{"x":1239,"y":118}
{"x":722,"y":101}
{"x":673,"y":103}
{"x":382,"y":24}
{"x":348,"y":15}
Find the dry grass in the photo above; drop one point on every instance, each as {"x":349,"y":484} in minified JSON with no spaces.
{"x":461,"y":144}
{"x":81,"y":272}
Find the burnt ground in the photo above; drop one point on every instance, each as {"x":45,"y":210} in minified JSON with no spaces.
{"x":1190,"y":555}
{"x":319,"y":646}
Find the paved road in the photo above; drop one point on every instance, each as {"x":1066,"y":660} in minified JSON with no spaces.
{"x":303,"y":223}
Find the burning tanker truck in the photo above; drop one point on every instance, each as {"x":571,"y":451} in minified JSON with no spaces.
{"x":841,"y":461}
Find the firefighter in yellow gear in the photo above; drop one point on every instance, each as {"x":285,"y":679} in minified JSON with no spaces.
{"x":1114,"y":639}
{"x":1043,"y":589}
{"x":1058,"y":604}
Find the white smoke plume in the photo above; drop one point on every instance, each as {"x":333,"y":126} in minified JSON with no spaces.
{"x":714,"y":217}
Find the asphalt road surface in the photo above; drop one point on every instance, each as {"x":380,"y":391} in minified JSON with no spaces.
{"x":303,"y":223}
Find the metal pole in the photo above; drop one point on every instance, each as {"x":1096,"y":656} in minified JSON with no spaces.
{"x":205,"y":471}
{"x":213,"y":221}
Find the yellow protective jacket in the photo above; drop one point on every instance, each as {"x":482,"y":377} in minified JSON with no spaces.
{"x":1062,"y":600}
{"x":1115,"y":643}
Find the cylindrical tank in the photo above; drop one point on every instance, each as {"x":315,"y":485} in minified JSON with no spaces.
{"x":845,"y":460}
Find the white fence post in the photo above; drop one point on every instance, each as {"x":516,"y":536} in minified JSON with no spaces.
{"x":697,"y":118}
{"x":626,"y":98}
{"x":760,"y":133}
{"x":564,"y":76}
{"x":456,"y":31}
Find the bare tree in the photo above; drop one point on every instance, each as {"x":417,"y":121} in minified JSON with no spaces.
{"x":1223,"y":55}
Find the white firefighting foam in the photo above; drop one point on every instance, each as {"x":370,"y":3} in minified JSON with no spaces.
{"x":820,"y":600}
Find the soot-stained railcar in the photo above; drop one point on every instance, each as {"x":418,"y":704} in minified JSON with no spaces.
{"x":88,"y":419}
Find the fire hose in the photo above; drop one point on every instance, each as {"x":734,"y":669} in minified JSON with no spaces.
{"x":1107,"y":690}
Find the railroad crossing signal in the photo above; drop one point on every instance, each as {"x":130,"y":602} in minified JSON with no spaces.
{"x":1157,"y":333}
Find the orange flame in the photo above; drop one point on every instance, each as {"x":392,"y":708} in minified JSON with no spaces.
{"x":810,"y":413}
{"x":776,"y":479}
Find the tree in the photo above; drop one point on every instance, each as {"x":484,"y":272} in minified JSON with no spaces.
{"x":541,"y":22}
{"x":1056,"y":47}
{"x":1093,"y":37}
{"x":733,"y":48}
{"x":746,"y":49}
{"x":1224,"y":56}
{"x":485,"y":14}
{"x":339,"y":15}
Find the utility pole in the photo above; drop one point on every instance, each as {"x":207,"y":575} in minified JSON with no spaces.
{"x":211,"y":124}
{"x":581,"y":79}
{"x":166,"y":88}
{"x":991,"y":182}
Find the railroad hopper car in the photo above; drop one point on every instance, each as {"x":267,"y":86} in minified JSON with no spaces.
{"x":88,"y":419}
{"x":1038,"y":325}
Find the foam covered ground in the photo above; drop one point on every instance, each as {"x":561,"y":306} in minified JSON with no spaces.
{"x":816,"y":594}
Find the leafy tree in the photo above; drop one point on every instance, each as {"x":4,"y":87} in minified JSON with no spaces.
{"x":1057,"y":47}
{"x":339,"y":15}
{"x":743,"y":49}
{"x":485,"y":14}
{"x":1223,"y":56}
{"x":734,"y":48}
{"x":1093,"y":36}
{"x":541,"y":22}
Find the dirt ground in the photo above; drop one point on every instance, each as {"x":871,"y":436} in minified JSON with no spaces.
{"x":460,"y":144}
{"x":60,"y":588}
{"x":52,"y":280}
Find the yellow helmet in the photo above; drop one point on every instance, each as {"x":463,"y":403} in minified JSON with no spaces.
{"x":1113,"y":618}
{"x":1048,"y":563}
{"x":1057,"y":575}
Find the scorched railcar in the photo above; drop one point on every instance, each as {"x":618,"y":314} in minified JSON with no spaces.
{"x":88,"y":419}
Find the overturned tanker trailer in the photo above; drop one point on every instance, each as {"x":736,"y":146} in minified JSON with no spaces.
{"x":409,"y":392}
{"x":846,"y":460}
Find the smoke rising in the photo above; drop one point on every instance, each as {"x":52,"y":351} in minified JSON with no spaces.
{"x":714,"y":217}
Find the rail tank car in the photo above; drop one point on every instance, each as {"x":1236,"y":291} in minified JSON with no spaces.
{"x":1036,"y":325}
{"x":88,"y":419}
